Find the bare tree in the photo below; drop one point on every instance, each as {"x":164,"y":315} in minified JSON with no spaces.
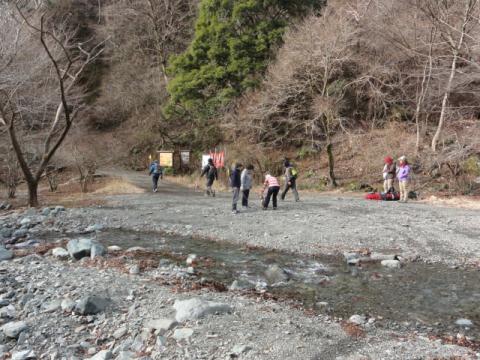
{"x":453,"y":25}
{"x":54,"y":44}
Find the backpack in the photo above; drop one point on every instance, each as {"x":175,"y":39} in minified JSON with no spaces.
{"x":294,"y":172}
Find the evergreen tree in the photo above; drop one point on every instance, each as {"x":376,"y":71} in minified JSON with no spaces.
{"x":233,"y":42}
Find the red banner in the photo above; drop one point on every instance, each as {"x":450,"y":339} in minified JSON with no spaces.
{"x":218,"y":158}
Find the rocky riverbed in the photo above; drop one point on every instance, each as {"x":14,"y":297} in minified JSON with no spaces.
{"x":83,"y":299}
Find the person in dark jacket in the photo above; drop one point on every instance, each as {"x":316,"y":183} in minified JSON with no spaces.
{"x":156,"y":172}
{"x":235,"y":184}
{"x":290,"y":181}
{"x":211,"y":174}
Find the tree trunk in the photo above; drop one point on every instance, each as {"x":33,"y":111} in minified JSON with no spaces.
{"x":32,"y":193}
{"x":331,"y":166}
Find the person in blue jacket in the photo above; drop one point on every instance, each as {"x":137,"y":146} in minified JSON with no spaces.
{"x":157,"y":173}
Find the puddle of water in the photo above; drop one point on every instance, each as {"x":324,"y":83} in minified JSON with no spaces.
{"x":432,"y":295}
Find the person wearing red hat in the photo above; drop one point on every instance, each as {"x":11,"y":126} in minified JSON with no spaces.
{"x":389,"y":172}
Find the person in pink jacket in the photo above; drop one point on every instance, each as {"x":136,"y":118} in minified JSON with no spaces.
{"x":403,"y":176}
{"x":271,"y":183}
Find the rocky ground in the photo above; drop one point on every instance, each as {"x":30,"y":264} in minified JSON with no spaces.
{"x":78,"y":299}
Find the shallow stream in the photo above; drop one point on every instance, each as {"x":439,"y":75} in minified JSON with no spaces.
{"x":422,"y":296}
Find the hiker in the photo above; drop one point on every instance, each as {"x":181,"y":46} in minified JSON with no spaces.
{"x":389,"y":173}
{"x":247,"y":182}
{"x":290,"y":180}
{"x":235,"y":184}
{"x":403,"y":176}
{"x":211,"y":174}
{"x":157,"y":172}
{"x":271,"y":183}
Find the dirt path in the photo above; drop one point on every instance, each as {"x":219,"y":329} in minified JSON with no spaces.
{"x":317,"y":224}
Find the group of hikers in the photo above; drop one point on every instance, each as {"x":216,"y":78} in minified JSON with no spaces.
{"x":400,"y":172}
{"x":241,"y":182}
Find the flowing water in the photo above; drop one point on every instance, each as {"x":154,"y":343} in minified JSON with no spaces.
{"x":429,"y":296}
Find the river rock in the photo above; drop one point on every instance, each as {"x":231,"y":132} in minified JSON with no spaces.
{"x":97,"y":250}
{"x":114,"y":248}
{"x":120,"y":332}
{"x":91,"y":305}
{"x":94,"y":227}
{"x":134,"y":269}
{"x":161,"y":325}
{"x":24,"y":355}
{"x":126,"y":355}
{"x":357,"y":319}
{"x":67,"y":305}
{"x":13,"y":329}
{"x":238,"y":349}
{"x":135,"y":248}
{"x":379,"y":257}
{"x":196,"y":308}
{"x":275,"y":274}
{"x":182,"y":334}
{"x":79,"y":248}
{"x":5,"y":254}
{"x":3,"y":350}
{"x":464,"y":322}
{"x":60,"y":253}
{"x":52,"y":306}
{"x":46,"y":211}
{"x":17,"y":234}
{"x":191,"y":259}
{"x":8,"y":312}
{"x":392,"y":264}
{"x":238,"y":285}
{"x":102,"y":355}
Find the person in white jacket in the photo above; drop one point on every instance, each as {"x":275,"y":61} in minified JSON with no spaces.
{"x":246,"y":184}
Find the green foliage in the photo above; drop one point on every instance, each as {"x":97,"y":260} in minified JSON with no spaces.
{"x":471,"y":166}
{"x":233,"y":42}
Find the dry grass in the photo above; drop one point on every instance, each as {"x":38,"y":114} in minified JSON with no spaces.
{"x":118,"y":186}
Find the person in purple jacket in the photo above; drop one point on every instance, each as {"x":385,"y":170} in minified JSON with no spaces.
{"x":403,"y":176}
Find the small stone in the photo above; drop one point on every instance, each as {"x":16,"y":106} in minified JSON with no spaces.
{"x":8,"y":312}
{"x":95,"y":227}
{"x":59,"y":208}
{"x":17,"y":234}
{"x":102,"y":355}
{"x":161,"y":325}
{"x":5,"y":254}
{"x":161,"y":341}
{"x":464,"y":322}
{"x":134,"y":269}
{"x":126,"y":355}
{"x":275,"y":274}
{"x":91,"y":305}
{"x":120,"y":332}
{"x":52,"y":306}
{"x":114,"y":248}
{"x":191,"y":259}
{"x":240,"y":349}
{"x":23,"y":355}
{"x":13,"y":329}
{"x":135,"y":248}
{"x":97,"y":250}
{"x":182,"y":334}
{"x":357,"y":319}
{"x":60,"y":253}
{"x":196,"y":308}
{"x":46,"y":211}
{"x":67,"y":305}
{"x":392,"y":264}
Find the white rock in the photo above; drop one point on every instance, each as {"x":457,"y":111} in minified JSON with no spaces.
{"x":8,"y":312}
{"x":135,"y":248}
{"x":126,"y":355}
{"x":67,"y":305}
{"x":114,"y":248}
{"x":13,"y":329}
{"x":162,"y":325}
{"x":196,"y":308}
{"x":134,"y":269}
{"x":357,"y":319}
{"x":97,"y":250}
{"x":392,"y":264}
{"x":120,"y":332}
{"x":23,"y":355}
{"x":102,"y":355}
{"x":464,"y":322}
{"x":240,"y":349}
{"x":182,"y":334}
{"x":60,"y":253}
{"x":191,"y":259}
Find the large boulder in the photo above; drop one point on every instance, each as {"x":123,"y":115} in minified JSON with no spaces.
{"x":196,"y":308}
{"x":5,"y":254}
{"x":97,"y":250}
{"x":14,"y":328}
{"x":79,"y":248}
{"x":275,"y":274}
{"x":91,"y":305}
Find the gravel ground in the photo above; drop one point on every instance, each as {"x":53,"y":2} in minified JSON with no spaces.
{"x":31,"y":287}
